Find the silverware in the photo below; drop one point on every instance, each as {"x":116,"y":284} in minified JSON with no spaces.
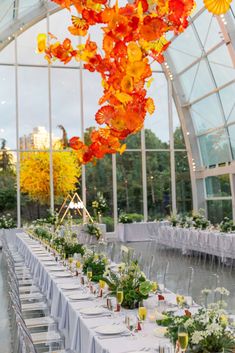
{"x":114,"y":336}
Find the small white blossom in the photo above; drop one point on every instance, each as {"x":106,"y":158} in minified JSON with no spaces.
{"x":197,"y":337}
{"x":222,"y":291}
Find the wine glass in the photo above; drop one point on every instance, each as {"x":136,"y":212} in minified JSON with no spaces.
{"x":183,"y":338}
{"x":120,"y":297}
{"x":89,"y":273}
{"x":142,"y":313}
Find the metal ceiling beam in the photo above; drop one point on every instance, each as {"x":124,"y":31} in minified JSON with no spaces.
{"x":19,"y":25}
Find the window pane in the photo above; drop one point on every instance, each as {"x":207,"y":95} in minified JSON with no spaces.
{"x":231,"y":130}
{"x":129,"y":183}
{"x":222,"y":65}
{"x":227,"y":98}
{"x":197,"y":81}
{"x":99,"y":179}
{"x":207,"y":114}
{"x":214,"y":148}
{"x":217,"y":186}
{"x":158,"y":122}
{"x":33,"y":105}
{"x":7,"y":55}
{"x":183,"y":183}
{"x":158,"y":184}
{"x":208,"y":30}
{"x":65,"y":96}
{"x":7,"y":106}
{"x":8,"y":201}
{"x":181,"y":53}
{"x":218,"y":209}
{"x":27,"y":44}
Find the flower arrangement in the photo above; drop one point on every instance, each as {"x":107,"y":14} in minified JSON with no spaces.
{"x":208,"y":328}
{"x":133,"y":282}
{"x":99,"y":205}
{"x":7,"y":222}
{"x":125,"y":218}
{"x":197,"y":220}
{"x":97,"y":262}
{"x":227,"y":225}
{"x":93,"y":230}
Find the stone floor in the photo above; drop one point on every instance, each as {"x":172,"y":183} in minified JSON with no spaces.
{"x":5,"y":337}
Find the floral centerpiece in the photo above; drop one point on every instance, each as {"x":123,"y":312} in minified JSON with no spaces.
{"x":208,"y":329}
{"x":99,"y":206}
{"x":227,"y":225}
{"x":97,"y":263}
{"x":93,"y":230}
{"x":7,"y":222}
{"x":133,"y":282}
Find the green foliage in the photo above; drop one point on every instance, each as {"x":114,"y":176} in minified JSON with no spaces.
{"x":71,"y":249}
{"x":133,"y":283}
{"x":97,"y":262}
{"x":7,"y":190}
{"x":99,"y":205}
{"x":109,"y":223}
{"x":130,"y":217}
{"x":227,"y":225}
{"x":197,"y":220}
{"x":43,"y":233}
{"x":93,"y":230}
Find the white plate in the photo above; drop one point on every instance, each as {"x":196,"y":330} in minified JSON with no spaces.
{"x":62,"y":275}
{"x":110,"y":329}
{"x":52,"y":263}
{"x":79,"y":296}
{"x":68,"y":286}
{"x":92,"y":311}
{"x":55,"y":269}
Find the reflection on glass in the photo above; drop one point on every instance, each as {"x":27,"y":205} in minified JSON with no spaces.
{"x":183,"y":183}
{"x":218,"y":186}
{"x":129,"y":183}
{"x":214,"y":148}
{"x":218,"y":209}
{"x":158,"y":184}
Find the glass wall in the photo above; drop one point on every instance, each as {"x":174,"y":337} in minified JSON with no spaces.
{"x":58,"y":102}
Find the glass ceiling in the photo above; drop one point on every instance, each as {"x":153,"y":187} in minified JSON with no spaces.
{"x":200,"y":62}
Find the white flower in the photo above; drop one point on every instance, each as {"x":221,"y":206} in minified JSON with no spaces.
{"x":206,"y":291}
{"x":222,"y":291}
{"x":189,"y":323}
{"x":197,"y":337}
{"x":214,"y":328}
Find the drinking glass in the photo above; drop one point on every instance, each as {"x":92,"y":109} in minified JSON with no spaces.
{"x":183,"y":338}
{"x":120,"y":295}
{"x":89,"y":273}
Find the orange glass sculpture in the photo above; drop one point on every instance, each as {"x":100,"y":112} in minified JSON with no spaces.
{"x":132,"y":36}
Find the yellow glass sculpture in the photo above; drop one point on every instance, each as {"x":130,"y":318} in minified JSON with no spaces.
{"x":217,"y":7}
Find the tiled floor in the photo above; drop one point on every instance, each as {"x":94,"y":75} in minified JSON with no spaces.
{"x":5,"y":338}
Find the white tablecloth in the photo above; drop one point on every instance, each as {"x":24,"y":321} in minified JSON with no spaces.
{"x":214,"y":243}
{"x":141,"y":231}
{"x":79,"y":331}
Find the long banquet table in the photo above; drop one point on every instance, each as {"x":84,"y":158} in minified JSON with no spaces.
{"x":140,"y":231}
{"x":210,"y":242}
{"x":79,"y":331}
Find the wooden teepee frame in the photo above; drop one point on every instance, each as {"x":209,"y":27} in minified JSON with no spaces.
{"x":73,"y":198}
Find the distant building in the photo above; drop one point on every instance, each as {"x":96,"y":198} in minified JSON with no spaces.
{"x":38,"y":139}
